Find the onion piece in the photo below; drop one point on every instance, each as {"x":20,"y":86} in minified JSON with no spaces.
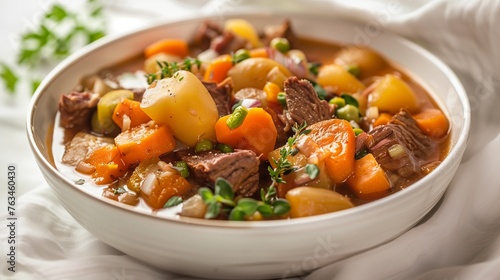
{"x":251,"y":103}
{"x":149,"y":183}
{"x":85,"y":168}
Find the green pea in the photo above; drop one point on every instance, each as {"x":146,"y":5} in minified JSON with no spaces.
{"x":203,"y":146}
{"x":224,"y":148}
{"x":237,"y":117}
{"x":339,"y":101}
{"x":281,"y":44}
{"x":348,"y":112}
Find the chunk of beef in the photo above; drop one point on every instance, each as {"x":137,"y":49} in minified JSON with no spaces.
{"x":303,"y":103}
{"x":222,"y":94}
{"x":411,"y":148}
{"x":206,"y":33}
{"x":76,"y":108}
{"x":240,"y":168}
{"x":81,"y":146}
{"x":284,"y":30}
{"x":228,"y":42}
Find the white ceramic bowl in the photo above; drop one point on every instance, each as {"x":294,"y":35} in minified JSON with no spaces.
{"x":264,"y":249}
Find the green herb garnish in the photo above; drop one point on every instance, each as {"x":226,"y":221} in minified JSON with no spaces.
{"x":283,"y":165}
{"x":168,"y":69}
{"x":45,"y":44}
{"x":173,"y":201}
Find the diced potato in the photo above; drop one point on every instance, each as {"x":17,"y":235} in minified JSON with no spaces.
{"x":368,"y":61}
{"x":339,"y":79}
{"x":243,"y":29}
{"x":184,"y":104}
{"x":151,"y":64}
{"x":253,"y":72}
{"x":391,"y":94}
{"x":309,"y":201}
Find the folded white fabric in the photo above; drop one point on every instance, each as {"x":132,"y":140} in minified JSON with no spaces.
{"x":461,"y":240}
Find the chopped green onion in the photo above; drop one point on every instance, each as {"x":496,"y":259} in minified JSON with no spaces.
{"x":237,"y":117}
{"x":281,"y":98}
{"x":280,"y":44}
{"x":203,"y":146}
{"x":183,"y":168}
{"x":348,"y":112}
{"x":396,"y":151}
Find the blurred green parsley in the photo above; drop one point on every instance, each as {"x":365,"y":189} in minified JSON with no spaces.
{"x":59,"y":32}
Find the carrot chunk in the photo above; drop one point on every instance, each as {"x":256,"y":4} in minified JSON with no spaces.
{"x":176,"y":47}
{"x":337,"y":144}
{"x":143,"y":142}
{"x":108,"y":164}
{"x":257,"y":132}
{"x":218,"y":68}
{"x":131,"y":109}
{"x":433,"y":123}
{"x":368,"y":181}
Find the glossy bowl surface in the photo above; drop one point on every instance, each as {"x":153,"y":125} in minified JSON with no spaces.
{"x":248,"y":250}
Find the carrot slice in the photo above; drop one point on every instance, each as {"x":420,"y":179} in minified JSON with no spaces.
{"x":143,"y":142}
{"x":108,"y":164}
{"x":368,"y":181}
{"x":176,"y":47}
{"x":131,"y":109}
{"x":337,"y":144}
{"x":433,"y":123}
{"x":256,"y":133}
{"x":218,"y":68}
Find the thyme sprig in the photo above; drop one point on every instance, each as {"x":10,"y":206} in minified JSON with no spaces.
{"x":168,"y":69}
{"x":283,"y":165}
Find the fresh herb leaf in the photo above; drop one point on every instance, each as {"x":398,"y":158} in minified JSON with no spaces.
{"x":44,"y":45}
{"x":35,"y":84}
{"x":349,"y":99}
{"x":312,"y":170}
{"x":9,"y":78}
{"x":213,"y":210}
{"x":173,"y":201}
{"x":224,"y":189}
{"x":281,"y":206}
{"x":57,"y":13}
{"x":236,"y":214}
{"x":206,"y":194}
{"x":247,"y":205}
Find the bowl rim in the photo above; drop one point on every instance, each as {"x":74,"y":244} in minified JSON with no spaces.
{"x":116,"y":38}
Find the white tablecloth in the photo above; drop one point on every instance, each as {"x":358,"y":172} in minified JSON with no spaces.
{"x":461,"y":240}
